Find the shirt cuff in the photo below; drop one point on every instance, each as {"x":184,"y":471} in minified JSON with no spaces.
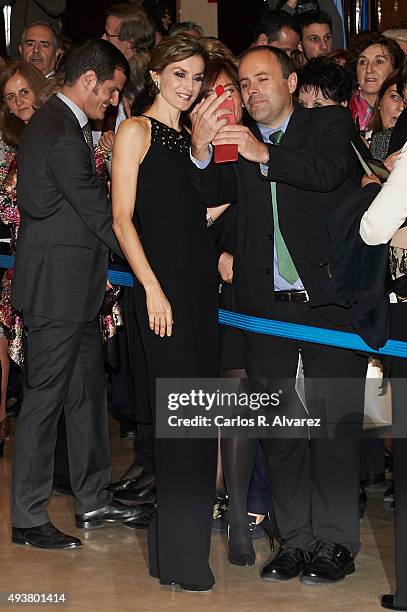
{"x":199,"y":163}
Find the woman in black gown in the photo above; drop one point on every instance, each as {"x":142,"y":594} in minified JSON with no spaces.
{"x":161,"y":227}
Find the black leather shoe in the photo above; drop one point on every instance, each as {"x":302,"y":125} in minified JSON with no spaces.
{"x":131,"y":493}
{"x":115,"y":512}
{"x":331,"y":563}
{"x":287,"y":564}
{"x":141,"y":523}
{"x":144,"y":480}
{"x":44,"y":536}
{"x":189,"y":588}
{"x":196,"y":588}
{"x":387,"y":601}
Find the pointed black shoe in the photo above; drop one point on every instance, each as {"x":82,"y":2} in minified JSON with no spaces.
{"x":287,"y":564}
{"x":241,"y":558}
{"x":44,"y":536}
{"x":115,"y":512}
{"x":132,"y":493}
{"x":387,"y":601}
{"x":331,"y":563}
{"x":143,"y":480}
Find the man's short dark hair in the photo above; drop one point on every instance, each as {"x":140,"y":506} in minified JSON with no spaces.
{"x":55,"y":34}
{"x":334,"y":81}
{"x":286,"y":63}
{"x":271,"y":24}
{"x":309,"y":17}
{"x":98,"y":55}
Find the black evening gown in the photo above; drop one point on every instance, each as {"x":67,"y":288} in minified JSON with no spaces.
{"x":172,"y":226}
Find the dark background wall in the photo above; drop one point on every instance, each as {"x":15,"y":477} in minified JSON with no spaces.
{"x":85,"y":18}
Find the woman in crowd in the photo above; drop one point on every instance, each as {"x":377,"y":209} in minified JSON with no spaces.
{"x":373,"y":59}
{"x":387,"y":109}
{"x":22,"y":88}
{"x":161,"y":227}
{"x":323,"y":82}
{"x":238,"y":454}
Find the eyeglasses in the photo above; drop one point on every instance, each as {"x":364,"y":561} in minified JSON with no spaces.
{"x":108,"y":35}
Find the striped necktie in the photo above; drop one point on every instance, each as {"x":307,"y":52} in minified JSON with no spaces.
{"x":87,"y":132}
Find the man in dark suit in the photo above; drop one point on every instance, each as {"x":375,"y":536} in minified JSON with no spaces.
{"x":283,"y":193}
{"x":59,"y":284}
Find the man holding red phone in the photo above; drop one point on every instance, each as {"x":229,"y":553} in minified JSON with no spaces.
{"x":284,"y":193}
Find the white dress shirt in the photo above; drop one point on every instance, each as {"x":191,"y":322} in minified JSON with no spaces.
{"x":388,"y":211}
{"x":78,"y":112}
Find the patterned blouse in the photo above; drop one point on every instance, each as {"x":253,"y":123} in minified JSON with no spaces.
{"x":361,"y":110}
{"x":10,"y":319}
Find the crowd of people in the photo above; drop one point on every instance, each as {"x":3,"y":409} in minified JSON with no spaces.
{"x":106,"y":156}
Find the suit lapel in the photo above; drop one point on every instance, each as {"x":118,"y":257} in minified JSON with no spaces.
{"x":300,"y":117}
{"x":263,"y":185}
{"x":60,"y":106}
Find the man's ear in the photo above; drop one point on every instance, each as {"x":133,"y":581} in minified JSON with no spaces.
{"x":292,"y":82}
{"x":20,"y":50}
{"x":89,"y":79}
{"x":299,"y":47}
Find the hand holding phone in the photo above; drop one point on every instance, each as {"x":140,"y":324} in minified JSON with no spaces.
{"x":226,"y":152}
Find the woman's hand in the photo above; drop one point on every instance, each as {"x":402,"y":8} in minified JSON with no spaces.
{"x":391,"y":160}
{"x":106,"y":142}
{"x":225,"y":267}
{"x":248,"y":145}
{"x":159,"y":311}
{"x":206,"y":119}
{"x":367,"y":180}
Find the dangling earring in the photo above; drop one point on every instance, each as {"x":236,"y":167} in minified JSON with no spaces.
{"x":157,"y":84}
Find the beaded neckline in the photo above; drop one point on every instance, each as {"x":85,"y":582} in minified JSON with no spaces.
{"x":168,"y":137}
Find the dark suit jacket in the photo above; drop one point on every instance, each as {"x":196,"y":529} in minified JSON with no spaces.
{"x":315,"y":169}
{"x":399,"y":134}
{"x":359,"y":273}
{"x":66,"y":224}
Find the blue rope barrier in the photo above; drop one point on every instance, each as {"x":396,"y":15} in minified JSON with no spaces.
{"x":281,"y":329}
{"x":307,"y":333}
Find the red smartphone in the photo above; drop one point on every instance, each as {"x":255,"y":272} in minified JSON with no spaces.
{"x":226,"y":152}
